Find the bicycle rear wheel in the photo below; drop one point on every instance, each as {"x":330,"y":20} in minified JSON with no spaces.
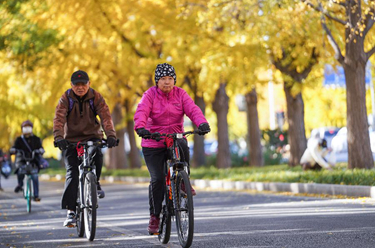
{"x":184,"y":209}
{"x":91,"y":201}
{"x":28,"y":194}
{"x":165,"y":223}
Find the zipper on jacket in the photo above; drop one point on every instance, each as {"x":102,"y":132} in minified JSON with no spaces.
{"x":81,"y":107}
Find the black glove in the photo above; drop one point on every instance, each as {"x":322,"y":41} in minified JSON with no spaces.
{"x":204,"y":128}
{"x":143,"y":133}
{"x":111,"y":142}
{"x":62,"y":144}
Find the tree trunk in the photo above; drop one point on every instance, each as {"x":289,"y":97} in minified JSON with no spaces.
{"x":359,"y":148}
{"x":221,"y":108}
{"x":134,"y":155}
{"x":354,"y":64}
{"x":255,"y":147}
{"x":199,"y":157}
{"x":117,"y":156}
{"x":296,"y":122}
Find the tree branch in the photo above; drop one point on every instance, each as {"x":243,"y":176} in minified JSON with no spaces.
{"x":332,"y":41}
{"x":122,"y":36}
{"x":325,"y":12}
{"x":369,"y":20}
{"x":370,"y":53}
{"x":339,"y":3}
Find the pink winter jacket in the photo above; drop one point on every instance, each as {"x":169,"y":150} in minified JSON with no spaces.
{"x":164,"y":113}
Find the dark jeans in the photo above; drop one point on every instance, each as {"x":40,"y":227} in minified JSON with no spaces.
{"x":155,"y":159}
{"x":308,"y":166}
{"x":72,"y":162}
{"x":34,"y":178}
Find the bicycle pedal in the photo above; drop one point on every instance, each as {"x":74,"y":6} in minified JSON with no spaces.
{"x":71,"y":226}
{"x":154,"y":233}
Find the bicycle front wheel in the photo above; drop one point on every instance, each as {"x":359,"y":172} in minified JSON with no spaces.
{"x":80,"y":216}
{"x":28,"y":195}
{"x":91,"y":201}
{"x":184,"y":209}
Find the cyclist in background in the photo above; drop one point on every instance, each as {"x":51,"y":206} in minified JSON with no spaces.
{"x":162,"y":110}
{"x":27,"y":142}
{"x":75,"y":120}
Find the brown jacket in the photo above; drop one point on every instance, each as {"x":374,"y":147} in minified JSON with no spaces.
{"x":82,"y":126}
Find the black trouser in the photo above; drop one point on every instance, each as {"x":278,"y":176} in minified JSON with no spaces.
{"x":308,"y":166}
{"x":155,"y":159}
{"x":72,"y":162}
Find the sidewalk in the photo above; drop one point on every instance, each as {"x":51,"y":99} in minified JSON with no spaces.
{"x":297,"y":188}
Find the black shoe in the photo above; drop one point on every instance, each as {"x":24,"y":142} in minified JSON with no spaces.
{"x":37,"y":199}
{"x":101,"y":193}
{"x":70,"y":220}
{"x":18,"y":189}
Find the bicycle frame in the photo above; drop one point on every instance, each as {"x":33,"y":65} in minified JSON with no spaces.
{"x":174,"y":165}
{"x":28,"y":170}
{"x":177,"y":188}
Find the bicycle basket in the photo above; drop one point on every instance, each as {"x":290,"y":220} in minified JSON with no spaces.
{"x":29,"y":169}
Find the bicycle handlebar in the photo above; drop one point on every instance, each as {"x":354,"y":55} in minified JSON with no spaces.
{"x":102,"y":143}
{"x":157,"y":136}
{"x":37,"y":151}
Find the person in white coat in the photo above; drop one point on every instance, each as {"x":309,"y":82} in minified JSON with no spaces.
{"x":314,"y":156}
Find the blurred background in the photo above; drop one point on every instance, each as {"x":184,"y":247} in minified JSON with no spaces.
{"x":267,"y":74}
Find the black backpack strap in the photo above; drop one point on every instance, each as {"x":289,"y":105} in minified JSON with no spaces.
{"x":91,"y":101}
{"x":71,"y":101}
{"x":24,"y":141}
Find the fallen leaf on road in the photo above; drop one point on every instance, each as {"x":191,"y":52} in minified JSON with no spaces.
{"x":71,"y":235}
{"x":49,"y":233}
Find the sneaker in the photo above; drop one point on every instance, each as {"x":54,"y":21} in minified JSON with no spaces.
{"x":153,"y":226}
{"x":70,"y":220}
{"x":192,"y":189}
{"x":18,"y":189}
{"x":37,"y":199}
{"x":101,"y":193}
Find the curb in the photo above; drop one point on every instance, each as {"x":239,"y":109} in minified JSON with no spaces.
{"x":296,"y":188}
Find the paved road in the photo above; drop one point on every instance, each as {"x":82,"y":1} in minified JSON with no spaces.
{"x":222,"y":219}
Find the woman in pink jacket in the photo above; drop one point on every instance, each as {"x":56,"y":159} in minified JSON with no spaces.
{"x":162,"y":110}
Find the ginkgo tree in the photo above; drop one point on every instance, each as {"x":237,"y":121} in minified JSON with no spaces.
{"x":295,"y":49}
{"x":348,"y":25}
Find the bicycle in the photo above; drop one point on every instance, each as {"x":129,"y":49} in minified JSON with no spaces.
{"x":29,"y":169}
{"x":178,"y":199}
{"x":87,"y":197}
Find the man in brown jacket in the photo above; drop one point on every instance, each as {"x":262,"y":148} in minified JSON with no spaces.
{"x":75,"y":120}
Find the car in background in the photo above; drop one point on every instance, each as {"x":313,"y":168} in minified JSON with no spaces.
{"x":340,"y":145}
{"x":211,"y":146}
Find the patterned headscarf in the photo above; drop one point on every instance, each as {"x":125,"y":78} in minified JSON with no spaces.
{"x":163,"y":70}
